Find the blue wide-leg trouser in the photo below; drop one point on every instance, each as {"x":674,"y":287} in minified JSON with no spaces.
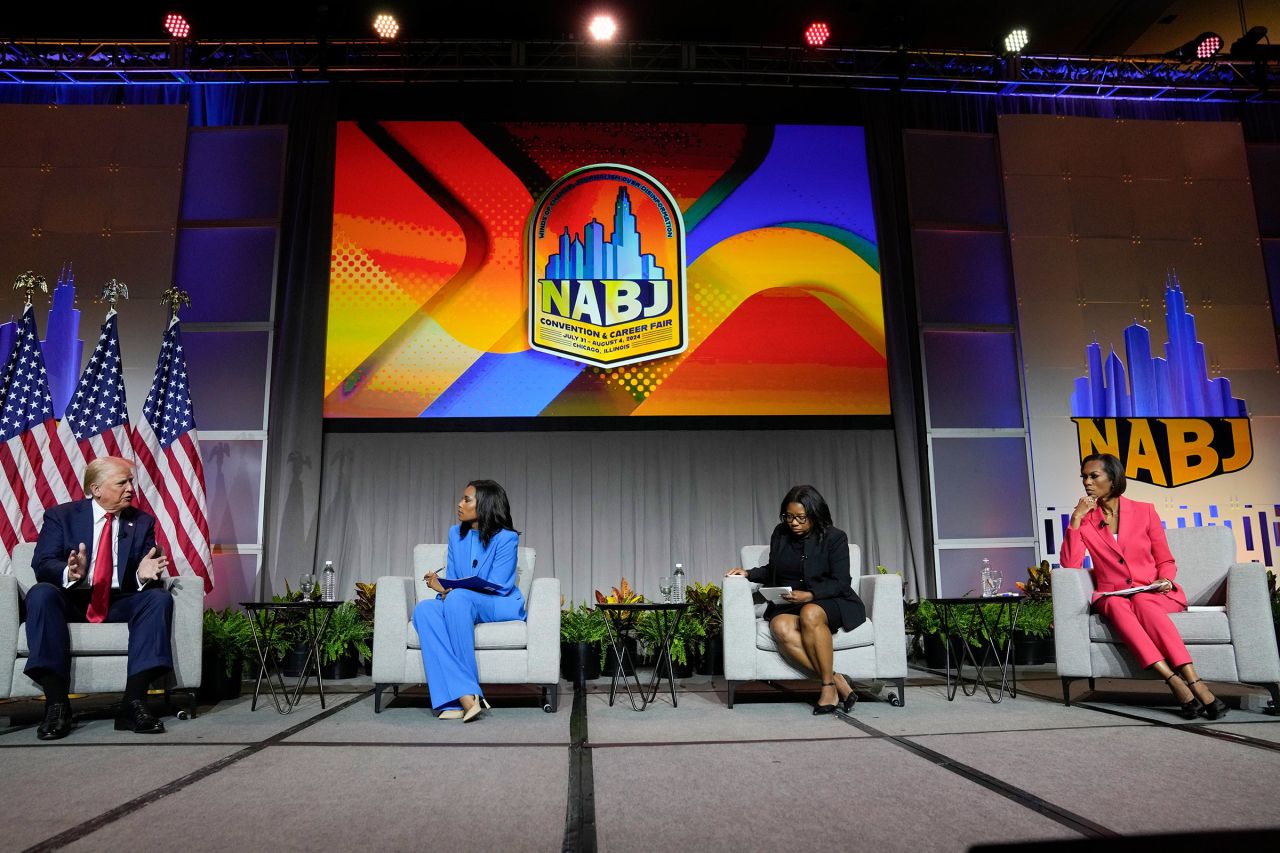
{"x":447,"y":631}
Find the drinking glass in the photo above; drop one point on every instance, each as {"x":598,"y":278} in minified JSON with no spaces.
{"x":997,"y":582}
{"x":307,"y":586}
{"x":664,"y":587}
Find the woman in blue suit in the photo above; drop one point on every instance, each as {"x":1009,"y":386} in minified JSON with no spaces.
{"x":482,"y":544}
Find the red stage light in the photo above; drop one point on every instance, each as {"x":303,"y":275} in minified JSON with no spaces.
{"x":817,"y":34}
{"x":1208,"y":46}
{"x":177,"y":25}
{"x":386,"y":26}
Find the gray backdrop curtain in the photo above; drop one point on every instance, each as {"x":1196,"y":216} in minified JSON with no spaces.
{"x":599,"y":506}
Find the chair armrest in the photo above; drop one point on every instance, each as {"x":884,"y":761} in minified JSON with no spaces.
{"x":739,"y":629}
{"x":882,"y":596}
{"x":187,"y":640}
{"x":392,"y":609}
{"x":1072,"y":593}
{"x":1252,"y":631}
{"x":543,"y":629}
{"x":8,"y":631}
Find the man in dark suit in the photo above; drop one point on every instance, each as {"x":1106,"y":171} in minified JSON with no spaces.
{"x":96,"y":561}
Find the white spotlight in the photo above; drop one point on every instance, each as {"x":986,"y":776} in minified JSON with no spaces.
{"x":1015,"y":41}
{"x":602,"y":28}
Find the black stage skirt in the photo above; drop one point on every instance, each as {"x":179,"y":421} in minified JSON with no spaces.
{"x":835,"y":613}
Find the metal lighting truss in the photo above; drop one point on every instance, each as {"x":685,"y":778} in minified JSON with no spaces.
{"x":369,"y":60}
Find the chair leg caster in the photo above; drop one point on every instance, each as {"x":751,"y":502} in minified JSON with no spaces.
{"x":899,"y":699}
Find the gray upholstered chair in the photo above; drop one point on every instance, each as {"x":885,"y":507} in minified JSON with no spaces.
{"x":875,"y":650}
{"x":506,"y":652}
{"x":100,"y":653}
{"x":1227,"y":626}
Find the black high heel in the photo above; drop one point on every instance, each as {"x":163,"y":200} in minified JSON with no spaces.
{"x":847,"y":703}
{"x":1212,"y":711}
{"x":825,"y":709}
{"x":1190,"y":710}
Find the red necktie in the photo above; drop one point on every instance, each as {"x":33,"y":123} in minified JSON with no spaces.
{"x":101,"y":594}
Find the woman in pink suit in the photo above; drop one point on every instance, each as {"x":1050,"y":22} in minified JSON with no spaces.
{"x":1127,"y":543}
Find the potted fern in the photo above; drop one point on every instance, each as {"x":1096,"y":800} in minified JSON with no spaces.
{"x":228,"y":641}
{"x":582,"y":637}
{"x":1033,"y":640}
{"x":650,"y":628}
{"x":345,"y":641}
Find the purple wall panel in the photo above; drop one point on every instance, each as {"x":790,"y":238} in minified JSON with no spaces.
{"x":963,"y":277}
{"x":233,"y":474}
{"x":234,"y":174}
{"x":228,"y":372}
{"x":982,"y":488}
{"x":953,"y":179}
{"x":228,"y":272}
{"x":954,"y":360}
{"x":962,"y":568}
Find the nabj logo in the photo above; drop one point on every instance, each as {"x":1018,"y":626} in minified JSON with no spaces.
{"x":606,"y":257}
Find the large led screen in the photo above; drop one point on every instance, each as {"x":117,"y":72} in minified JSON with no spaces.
{"x":520,"y":270}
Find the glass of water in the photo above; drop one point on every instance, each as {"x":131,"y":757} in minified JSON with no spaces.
{"x":307,"y":586}
{"x":997,"y":582}
{"x":664,"y":587}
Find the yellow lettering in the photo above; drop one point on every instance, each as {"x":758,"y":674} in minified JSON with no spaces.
{"x":1092,"y":441}
{"x":1142,"y":452}
{"x":555,"y":293}
{"x":1243,"y":441}
{"x":1190,"y":438}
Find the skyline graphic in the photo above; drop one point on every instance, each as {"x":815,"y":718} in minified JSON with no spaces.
{"x":593,"y":257}
{"x":1177,"y":385}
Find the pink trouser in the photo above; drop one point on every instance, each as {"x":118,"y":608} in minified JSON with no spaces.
{"x":1142,"y":621}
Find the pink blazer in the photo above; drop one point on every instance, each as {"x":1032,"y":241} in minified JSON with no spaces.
{"x":1140,"y":557}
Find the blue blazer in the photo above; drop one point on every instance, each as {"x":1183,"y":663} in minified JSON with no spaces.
{"x":67,"y":525}
{"x":495,"y":563}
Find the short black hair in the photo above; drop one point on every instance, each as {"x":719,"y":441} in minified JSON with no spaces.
{"x":1114,"y":468}
{"x":493,"y":510}
{"x":815,"y":506}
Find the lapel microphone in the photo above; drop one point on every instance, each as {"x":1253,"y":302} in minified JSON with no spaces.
{"x":475,"y":563}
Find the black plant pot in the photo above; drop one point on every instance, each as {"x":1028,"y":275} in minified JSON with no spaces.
{"x":1031,"y":651}
{"x":682,"y":670}
{"x":579,"y":662}
{"x":291,"y":662}
{"x":712,"y":660}
{"x":215,"y":684}
{"x":629,"y":655}
{"x":346,"y":666}
{"x":935,"y":651}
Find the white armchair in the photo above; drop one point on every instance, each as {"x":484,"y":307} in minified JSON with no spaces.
{"x":506,"y":652}
{"x":1227,"y":626}
{"x":875,"y":650}
{"x":99,"y":653}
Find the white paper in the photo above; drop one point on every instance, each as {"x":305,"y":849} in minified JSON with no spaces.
{"x":1151,"y":587}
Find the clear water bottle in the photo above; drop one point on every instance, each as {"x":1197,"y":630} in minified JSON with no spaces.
{"x":988,"y":587}
{"x":329,"y":583}
{"x":677,"y":584}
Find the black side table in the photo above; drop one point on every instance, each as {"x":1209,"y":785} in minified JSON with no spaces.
{"x":264,"y":616}
{"x":618,"y":619}
{"x":957,"y":631}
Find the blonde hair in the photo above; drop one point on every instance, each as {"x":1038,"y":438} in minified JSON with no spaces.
{"x":97,"y":470}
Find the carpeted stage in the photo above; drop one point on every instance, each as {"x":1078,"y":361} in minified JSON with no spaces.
{"x":767,"y":775}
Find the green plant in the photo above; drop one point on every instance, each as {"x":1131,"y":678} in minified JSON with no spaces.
{"x":1037,"y":586}
{"x":705,"y":609}
{"x":1035,"y":619}
{"x":650,"y":628}
{"x":366,"y":598}
{"x":582,"y":624}
{"x":346,"y":629}
{"x":228,"y":634}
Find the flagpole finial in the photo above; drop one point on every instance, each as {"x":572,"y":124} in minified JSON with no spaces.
{"x":30,"y":282}
{"x":175,"y":298}
{"x":113,"y":291}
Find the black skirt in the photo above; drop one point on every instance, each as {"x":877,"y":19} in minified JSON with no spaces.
{"x":835,"y":616}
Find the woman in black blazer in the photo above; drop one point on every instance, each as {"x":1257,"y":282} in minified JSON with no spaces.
{"x":811,"y":556}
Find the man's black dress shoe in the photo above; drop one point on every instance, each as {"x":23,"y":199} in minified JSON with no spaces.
{"x":134,"y":717}
{"x":57,"y":721}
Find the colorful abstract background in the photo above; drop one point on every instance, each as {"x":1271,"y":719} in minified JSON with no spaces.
{"x":428,"y":299}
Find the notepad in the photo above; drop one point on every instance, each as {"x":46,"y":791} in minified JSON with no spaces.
{"x":1151,"y":587}
{"x":473,"y":583}
{"x":775,"y":593}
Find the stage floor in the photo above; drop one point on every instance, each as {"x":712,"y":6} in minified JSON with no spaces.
{"x":767,"y":775}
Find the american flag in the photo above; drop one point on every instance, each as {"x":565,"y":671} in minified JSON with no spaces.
{"x":37,"y":468}
{"x":96,"y":418}
{"x":170,"y":474}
